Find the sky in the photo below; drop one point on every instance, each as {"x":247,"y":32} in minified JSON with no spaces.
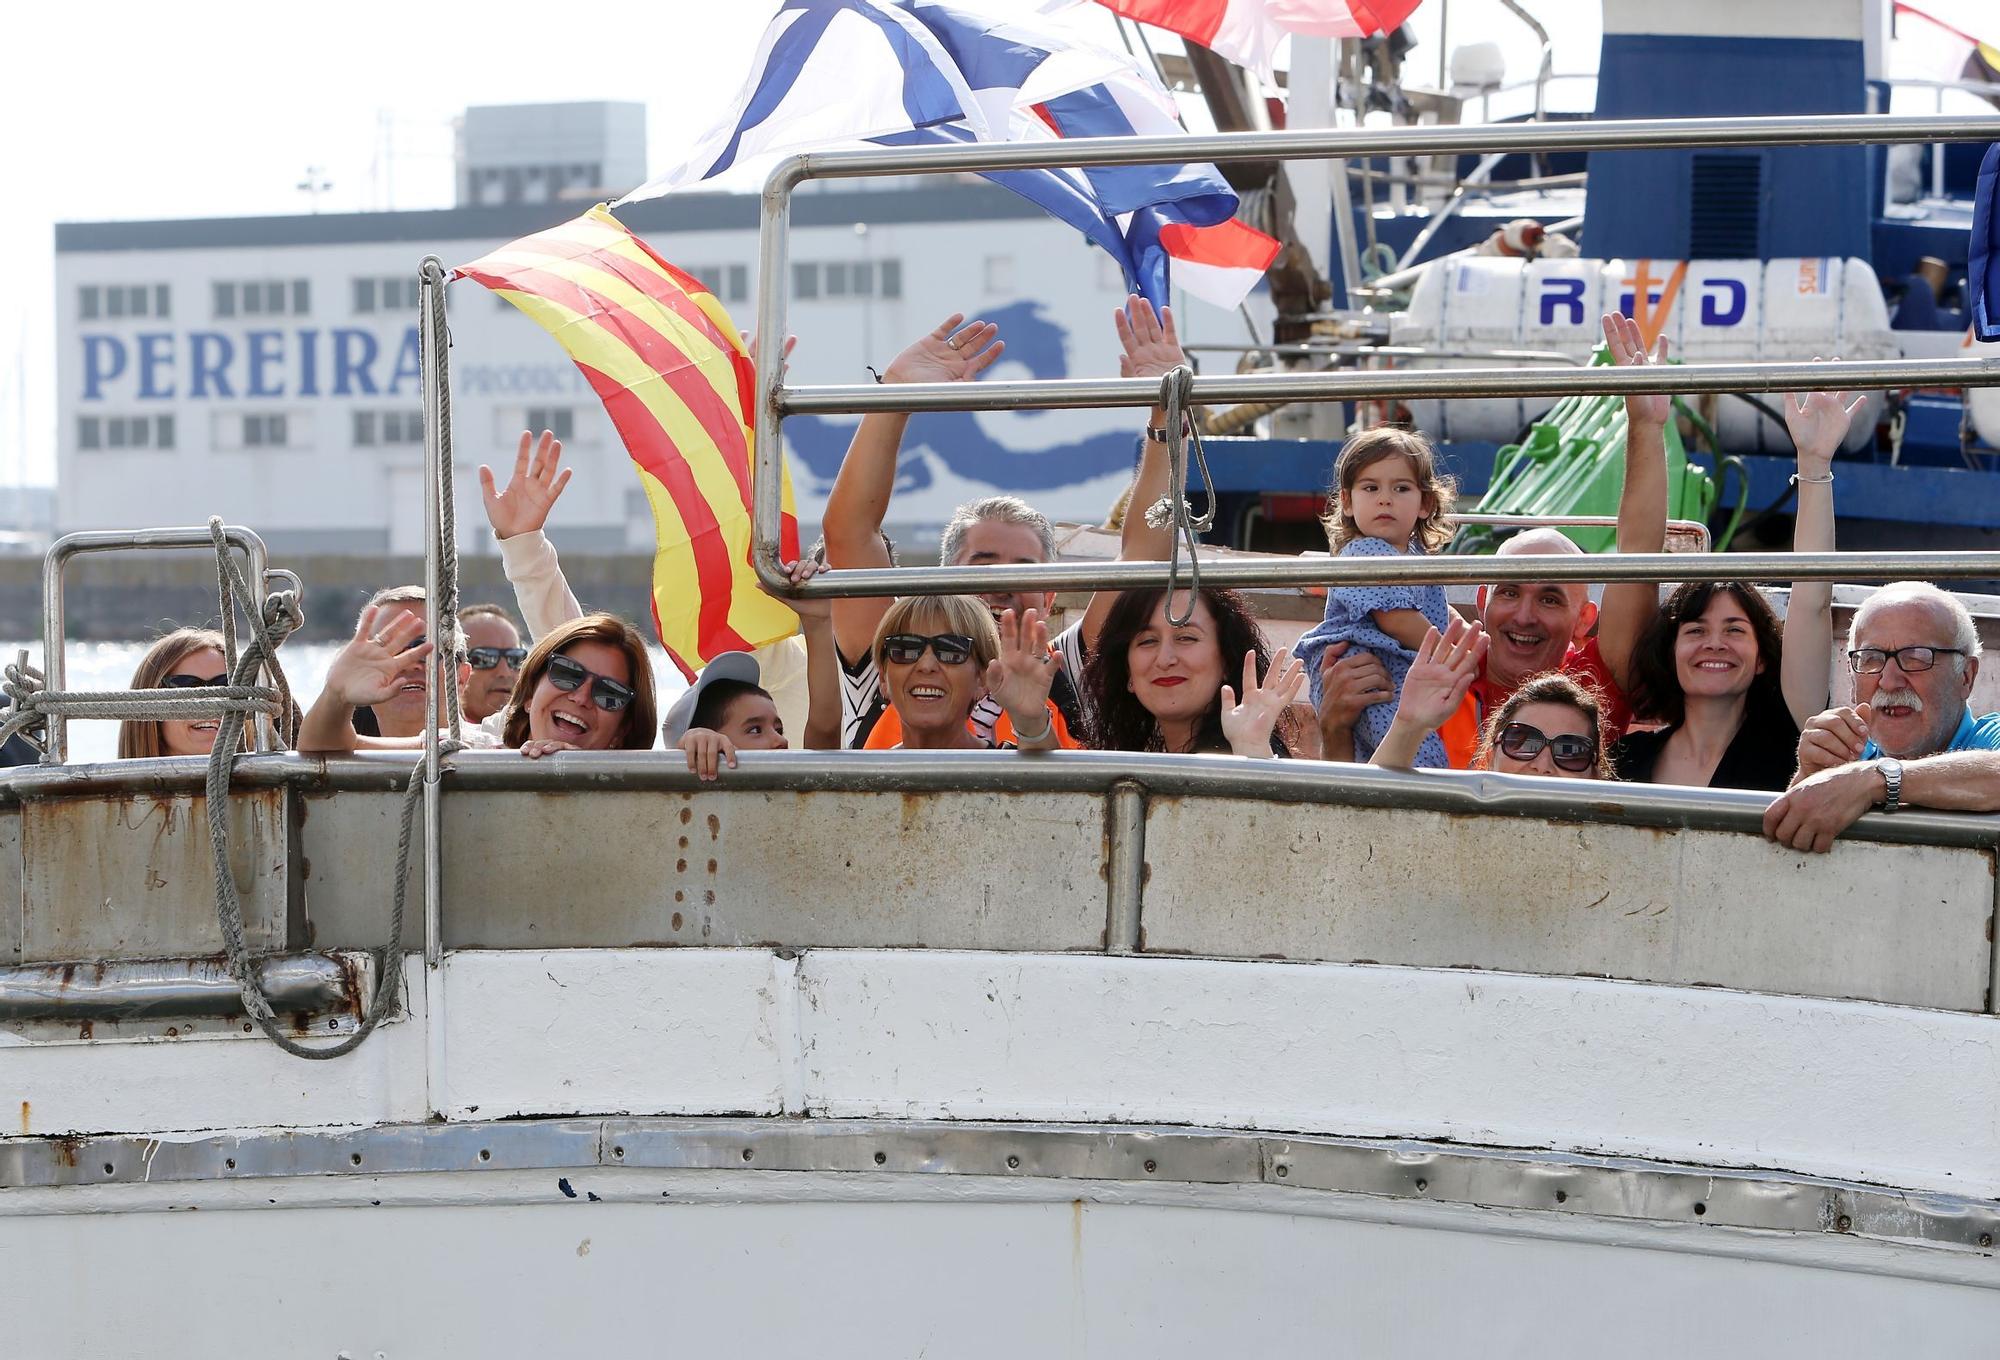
{"x":125,"y":110}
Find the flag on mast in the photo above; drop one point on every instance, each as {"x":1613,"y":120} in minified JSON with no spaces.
{"x":833,"y":73}
{"x":1248,"y":32}
{"x":673,"y":374}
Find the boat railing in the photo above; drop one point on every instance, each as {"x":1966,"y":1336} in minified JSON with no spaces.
{"x":777,"y":400}
{"x":55,"y":626}
{"x":1092,"y":852}
{"x":1984,"y":89}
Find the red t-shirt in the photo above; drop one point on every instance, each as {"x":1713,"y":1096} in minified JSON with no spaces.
{"x":1460,"y":732}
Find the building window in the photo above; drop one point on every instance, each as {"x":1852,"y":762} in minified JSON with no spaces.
{"x":386,"y":295}
{"x":558,"y":420}
{"x":87,"y":302}
{"x":161,"y":297}
{"x":835,"y":275}
{"x":739,"y":283}
{"x":805,"y":281}
{"x":892,"y":278}
{"x":124,"y":432}
{"x":123,"y":299}
{"x":263,"y":297}
{"x":264,"y":431}
{"x":388,"y":427}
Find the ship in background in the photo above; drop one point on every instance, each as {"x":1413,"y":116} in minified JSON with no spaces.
{"x":1730,"y":254}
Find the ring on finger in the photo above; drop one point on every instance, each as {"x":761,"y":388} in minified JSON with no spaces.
{"x":952,"y":343}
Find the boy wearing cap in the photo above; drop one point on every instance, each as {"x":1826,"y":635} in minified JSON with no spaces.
{"x":724,"y":711}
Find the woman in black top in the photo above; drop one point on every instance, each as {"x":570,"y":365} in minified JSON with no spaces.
{"x":1733,"y":693}
{"x":1710,"y":667}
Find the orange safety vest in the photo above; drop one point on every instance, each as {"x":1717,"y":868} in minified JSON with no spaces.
{"x":888,"y":730}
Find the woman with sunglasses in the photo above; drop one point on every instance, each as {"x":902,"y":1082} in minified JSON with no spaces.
{"x":586,"y":685}
{"x":183,"y":659}
{"x":939,"y":655}
{"x":1551,"y":725}
{"x":1152,"y":684}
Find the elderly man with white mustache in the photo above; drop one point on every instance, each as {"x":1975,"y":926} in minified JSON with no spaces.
{"x":1909,"y":739}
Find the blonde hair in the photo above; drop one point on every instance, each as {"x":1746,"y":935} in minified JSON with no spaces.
{"x":1361,"y":452}
{"x":946,"y":613}
{"x":639,"y":721}
{"x":143,"y":740}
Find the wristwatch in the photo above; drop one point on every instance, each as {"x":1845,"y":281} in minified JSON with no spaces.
{"x":1892,"y":782}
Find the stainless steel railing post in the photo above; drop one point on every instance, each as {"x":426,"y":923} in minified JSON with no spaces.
{"x":55,"y":670}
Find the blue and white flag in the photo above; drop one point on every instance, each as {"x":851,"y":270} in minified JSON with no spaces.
{"x":917,"y":72}
{"x":1982,"y":274}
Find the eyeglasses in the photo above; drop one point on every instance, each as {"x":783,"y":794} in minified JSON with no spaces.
{"x":1570,"y":752}
{"x":610,"y":695}
{"x":193,"y":681}
{"x":486,"y":658}
{"x":906,"y":649}
{"x":1872,"y":660}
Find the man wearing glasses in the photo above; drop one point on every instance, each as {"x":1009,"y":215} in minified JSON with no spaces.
{"x":1909,"y":739}
{"x":493,"y":647}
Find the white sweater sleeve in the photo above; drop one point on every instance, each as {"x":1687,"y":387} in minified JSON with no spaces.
{"x":539,"y":588}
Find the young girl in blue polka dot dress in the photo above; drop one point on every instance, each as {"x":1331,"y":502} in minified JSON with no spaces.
{"x":1388,"y":499}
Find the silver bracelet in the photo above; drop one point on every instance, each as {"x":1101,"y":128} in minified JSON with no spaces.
{"x":1048,"y":726}
{"x":1813,"y":481}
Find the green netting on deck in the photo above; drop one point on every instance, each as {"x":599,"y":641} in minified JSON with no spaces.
{"x":1573,"y":463}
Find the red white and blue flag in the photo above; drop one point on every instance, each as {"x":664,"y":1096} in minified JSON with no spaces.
{"x":921,"y":72}
{"x":1248,"y":32}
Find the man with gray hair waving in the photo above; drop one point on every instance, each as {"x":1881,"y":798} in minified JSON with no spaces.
{"x":1909,"y":739}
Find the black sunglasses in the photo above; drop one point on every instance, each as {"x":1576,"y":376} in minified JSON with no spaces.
{"x":608,"y":694}
{"x":1570,"y":752}
{"x":193,"y":681}
{"x":486,"y":658}
{"x":907,"y":649}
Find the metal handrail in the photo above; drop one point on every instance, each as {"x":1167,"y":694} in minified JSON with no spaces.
{"x":775,"y":401}
{"x":1409,"y":384}
{"x":1097,"y":773}
{"x":1587,"y":568}
{"x":54,"y":667}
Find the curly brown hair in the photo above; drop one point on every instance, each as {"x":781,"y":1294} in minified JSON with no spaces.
{"x":640,"y":721}
{"x":1369,"y":447}
{"x":1117,"y":720}
{"x":1550,"y":687}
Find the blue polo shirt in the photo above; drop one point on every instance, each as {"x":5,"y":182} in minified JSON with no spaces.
{"x":1973,"y":734}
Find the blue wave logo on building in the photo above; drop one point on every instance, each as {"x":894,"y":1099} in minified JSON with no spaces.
{"x":956,"y":439}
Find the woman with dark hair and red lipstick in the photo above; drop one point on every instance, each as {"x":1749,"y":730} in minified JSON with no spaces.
{"x":1152,"y":685}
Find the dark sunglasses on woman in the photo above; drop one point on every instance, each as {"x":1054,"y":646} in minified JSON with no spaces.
{"x":610,"y":695}
{"x":486,"y":658}
{"x":192,"y":681}
{"x":907,"y":649}
{"x":1570,"y":752}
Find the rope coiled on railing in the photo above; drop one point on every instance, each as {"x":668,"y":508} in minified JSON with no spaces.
{"x":1176,"y":389}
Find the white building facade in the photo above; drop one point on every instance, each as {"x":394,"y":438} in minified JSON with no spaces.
{"x":266,"y":369}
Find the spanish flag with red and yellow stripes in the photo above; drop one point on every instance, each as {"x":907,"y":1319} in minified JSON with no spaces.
{"x":674,"y":375}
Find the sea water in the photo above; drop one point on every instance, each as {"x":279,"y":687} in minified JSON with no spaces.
{"x":109,"y":665}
